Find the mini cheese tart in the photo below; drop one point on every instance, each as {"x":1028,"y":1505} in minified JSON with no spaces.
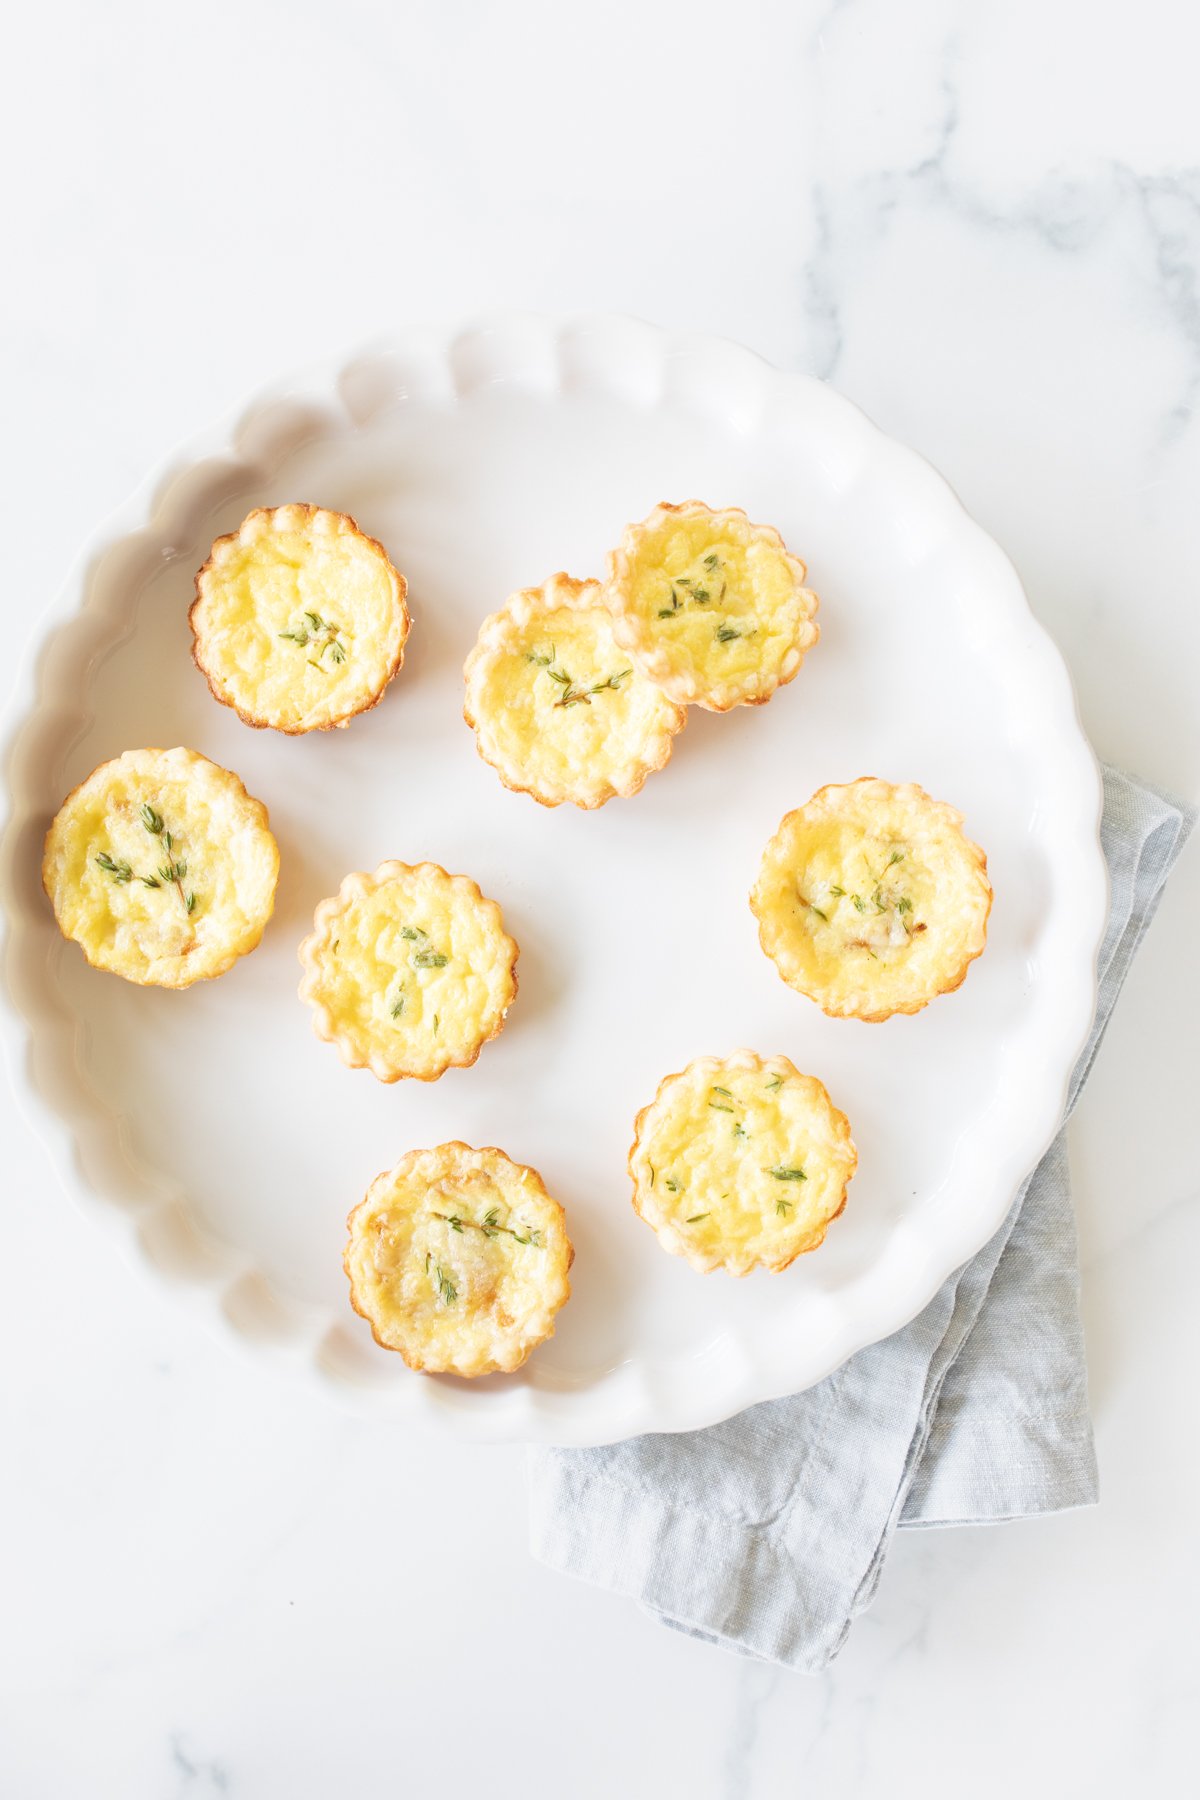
{"x":740,"y":1163}
{"x":299,"y":620}
{"x":557,"y":709}
{"x":161,"y":867}
{"x":871,"y":901}
{"x":710,"y":607}
{"x":409,"y":971}
{"x":458,"y":1259}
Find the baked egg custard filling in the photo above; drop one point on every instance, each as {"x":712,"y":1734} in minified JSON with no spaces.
{"x":740,"y":1163}
{"x":712,"y":607}
{"x":458,"y":1259}
{"x":161,"y":867}
{"x":299,"y":620}
{"x":871,"y":901}
{"x":558,"y":708}
{"x":409,"y":971}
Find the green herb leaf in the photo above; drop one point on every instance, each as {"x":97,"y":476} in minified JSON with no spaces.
{"x":429,"y":959}
{"x":783,"y":1206}
{"x":310,"y":631}
{"x":169,"y":874}
{"x":774,"y":1084}
{"x":491,"y":1227}
{"x":696,"y":1218}
{"x":780,"y":1173}
{"x":612,"y":681}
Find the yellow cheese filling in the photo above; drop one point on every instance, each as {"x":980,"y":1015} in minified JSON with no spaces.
{"x":410,"y":970}
{"x":709,"y":599}
{"x":871,"y":900}
{"x":161,"y":867}
{"x":300,"y":619}
{"x":741,"y":1162}
{"x":458,"y":1258}
{"x":559,"y":708}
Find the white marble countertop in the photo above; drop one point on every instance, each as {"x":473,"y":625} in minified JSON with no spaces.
{"x":982,"y":222}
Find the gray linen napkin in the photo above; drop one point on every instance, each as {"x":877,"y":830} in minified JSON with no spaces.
{"x":767,"y":1533}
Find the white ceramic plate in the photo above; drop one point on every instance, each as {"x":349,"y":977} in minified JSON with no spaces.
{"x":226,"y":1144}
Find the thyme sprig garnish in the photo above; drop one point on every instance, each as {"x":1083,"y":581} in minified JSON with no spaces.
{"x":172,"y":872}
{"x":701,"y":591}
{"x":878,"y":899}
{"x":321,"y":632}
{"x":491,"y":1227}
{"x":120,"y":871}
{"x":425,"y":956}
{"x":719,"y":1099}
{"x":573,"y":695}
{"x":169,"y":874}
{"x":696,"y":591}
{"x":447,"y":1291}
{"x":783,"y":1207}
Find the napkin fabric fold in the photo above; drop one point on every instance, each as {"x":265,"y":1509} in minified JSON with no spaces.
{"x":767,"y":1533}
